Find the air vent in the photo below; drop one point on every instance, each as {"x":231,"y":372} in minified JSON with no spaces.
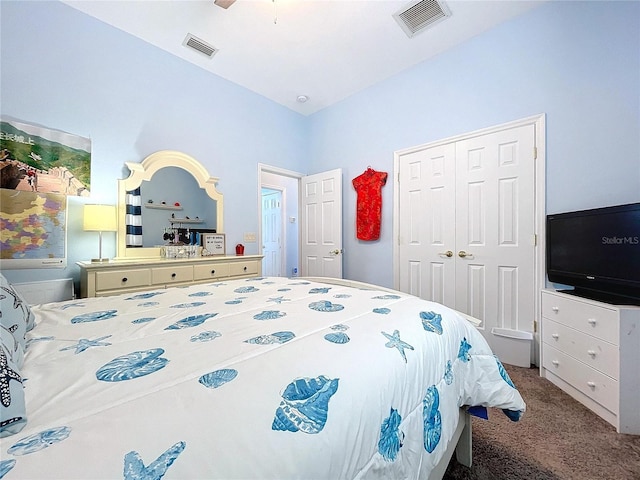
{"x":199,"y":45}
{"x":418,"y":16}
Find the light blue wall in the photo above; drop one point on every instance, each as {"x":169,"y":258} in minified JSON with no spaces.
{"x":577,"y":62}
{"x":65,"y":70}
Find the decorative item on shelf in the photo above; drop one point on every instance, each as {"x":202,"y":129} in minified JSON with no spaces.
{"x":213,"y":243}
{"x":180,"y":251}
{"x":99,"y":218}
{"x":239,"y":249}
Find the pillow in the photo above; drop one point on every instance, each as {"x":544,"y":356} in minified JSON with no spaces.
{"x":13,"y":413}
{"x":15,"y":314}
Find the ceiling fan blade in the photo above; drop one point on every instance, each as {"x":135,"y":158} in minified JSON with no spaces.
{"x":224,"y":3}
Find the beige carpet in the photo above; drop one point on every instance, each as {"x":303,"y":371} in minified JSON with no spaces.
{"x":558,"y":438}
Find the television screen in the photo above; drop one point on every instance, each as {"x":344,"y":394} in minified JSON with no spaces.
{"x":596,"y":250}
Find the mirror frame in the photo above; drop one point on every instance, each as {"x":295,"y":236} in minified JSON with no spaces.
{"x":139,"y":172}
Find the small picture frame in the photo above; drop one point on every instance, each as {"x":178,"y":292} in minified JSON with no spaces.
{"x":213,"y":243}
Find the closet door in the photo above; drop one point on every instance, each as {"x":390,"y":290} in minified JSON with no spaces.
{"x":427,"y":224}
{"x":495,"y":228}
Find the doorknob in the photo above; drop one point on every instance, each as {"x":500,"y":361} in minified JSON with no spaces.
{"x":463,"y":254}
{"x":336,"y":252}
{"x":448,"y":253}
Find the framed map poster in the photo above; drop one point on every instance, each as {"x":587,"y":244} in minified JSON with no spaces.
{"x":33,"y":229}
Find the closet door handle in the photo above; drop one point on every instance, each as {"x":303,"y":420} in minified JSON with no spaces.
{"x":448,"y":254}
{"x":463,"y":254}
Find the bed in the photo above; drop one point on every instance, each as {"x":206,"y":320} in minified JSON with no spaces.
{"x":261,"y":378}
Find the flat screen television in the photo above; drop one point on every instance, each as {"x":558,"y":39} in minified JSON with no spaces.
{"x":597,"y":252}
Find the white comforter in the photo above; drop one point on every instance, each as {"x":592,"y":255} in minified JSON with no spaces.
{"x":267,"y":378}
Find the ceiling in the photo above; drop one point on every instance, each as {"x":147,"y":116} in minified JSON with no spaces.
{"x":326,"y":50}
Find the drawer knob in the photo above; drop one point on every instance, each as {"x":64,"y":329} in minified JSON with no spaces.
{"x":555,"y":362}
{"x":555,"y":336}
{"x":592,"y":353}
{"x":555,"y":309}
{"x":591,"y":384}
{"x":124,"y":279}
{"x":173,"y":275}
{"x":245,"y":269}
{"x":213,"y":272}
{"x":592,"y":322}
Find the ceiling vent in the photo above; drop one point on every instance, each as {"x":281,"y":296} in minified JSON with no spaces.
{"x":200,"y":46}
{"x":420,"y":15}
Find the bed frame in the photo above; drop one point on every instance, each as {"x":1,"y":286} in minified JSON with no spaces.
{"x":461,"y":442}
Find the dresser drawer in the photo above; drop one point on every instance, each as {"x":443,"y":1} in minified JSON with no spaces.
{"x":243,"y":268}
{"x":122,"y":279}
{"x":211,"y":271}
{"x":588,"y":318}
{"x":173,"y":274}
{"x":596,"y":385}
{"x":592,"y":351}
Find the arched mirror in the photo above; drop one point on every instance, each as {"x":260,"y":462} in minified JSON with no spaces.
{"x":167,"y":185}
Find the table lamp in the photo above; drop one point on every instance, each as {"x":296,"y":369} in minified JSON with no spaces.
{"x":100,"y":218}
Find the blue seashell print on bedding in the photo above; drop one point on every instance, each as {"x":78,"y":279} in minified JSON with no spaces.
{"x":463,"y":352}
{"x":339,"y":327}
{"x":133,"y":365}
{"x":320,"y":290}
{"x":246,"y":290}
{"x":205,"y":336}
{"x":148,"y":304}
{"x":448,"y":373}
{"x":389,"y":296}
{"x":432,"y":419}
{"x":503,"y":373}
{"x":325,"y":306}
{"x":218,"y":378}
{"x":6,"y":466}
{"x":269,"y":315}
{"x":432,"y":322}
{"x":305,"y":405}
{"x":200,"y":294}
{"x":134,"y":468}
{"x":337,"y":337}
{"x":38,"y":441}
{"x":188,"y":305}
{"x":382,"y":311}
{"x":94,"y":316}
{"x":274,"y":338}
{"x":144,"y":296}
{"x":390,"y":436}
{"x":192,"y":321}
{"x":143,"y":320}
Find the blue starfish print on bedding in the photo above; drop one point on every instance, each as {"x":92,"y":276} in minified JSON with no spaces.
{"x":6,"y":375}
{"x":134,"y":468}
{"x":395,"y":342}
{"x":84,"y":343}
{"x":463,"y":353}
{"x":390,"y":436}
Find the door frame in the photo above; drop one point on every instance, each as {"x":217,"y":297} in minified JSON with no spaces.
{"x":538,"y":122}
{"x":264,"y":168}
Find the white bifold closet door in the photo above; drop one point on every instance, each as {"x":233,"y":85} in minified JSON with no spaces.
{"x":467,"y":225}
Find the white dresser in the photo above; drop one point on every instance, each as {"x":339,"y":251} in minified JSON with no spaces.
{"x":591,"y":350}
{"x":122,"y":276}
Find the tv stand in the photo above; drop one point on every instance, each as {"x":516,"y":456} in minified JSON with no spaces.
{"x":590,"y":350}
{"x":605,"y":297}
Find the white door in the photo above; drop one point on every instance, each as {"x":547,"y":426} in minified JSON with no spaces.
{"x":495,"y":229}
{"x":272,"y":233}
{"x":321,"y":224}
{"x":427,"y":226}
{"x":466,"y":225}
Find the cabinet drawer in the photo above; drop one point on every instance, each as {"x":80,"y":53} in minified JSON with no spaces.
{"x":173,"y":274}
{"x":592,"y":351}
{"x":122,"y":279}
{"x":211,"y":271}
{"x":596,"y":385}
{"x":588,"y":318}
{"x":243,"y":268}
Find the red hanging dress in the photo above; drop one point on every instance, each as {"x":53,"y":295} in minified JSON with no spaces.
{"x":368,"y":186}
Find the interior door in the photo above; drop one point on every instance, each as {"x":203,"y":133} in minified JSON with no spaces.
{"x":272,"y":233}
{"x":495,"y":228}
{"x":321,"y":224}
{"x":427,"y":228}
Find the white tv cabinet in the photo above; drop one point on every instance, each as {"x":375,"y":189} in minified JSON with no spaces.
{"x":591,"y":350}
